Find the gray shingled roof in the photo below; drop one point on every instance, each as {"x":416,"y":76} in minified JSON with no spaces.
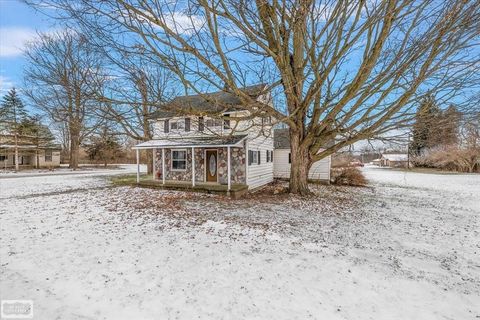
{"x":281,"y":139}
{"x":214,"y":102}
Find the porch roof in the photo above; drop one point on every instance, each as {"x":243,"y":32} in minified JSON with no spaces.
{"x":200,"y":142}
{"x":28,"y":147}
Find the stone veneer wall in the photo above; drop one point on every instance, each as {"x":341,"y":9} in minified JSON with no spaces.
{"x":199,"y":164}
{"x":237,"y":158}
{"x":184,"y":175}
{"x":238,"y":165}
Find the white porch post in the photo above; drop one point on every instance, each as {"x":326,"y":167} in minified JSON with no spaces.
{"x":163,"y":165}
{"x":228,"y":168}
{"x":138,"y":166}
{"x":154,"y":155}
{"x":193,"y":166}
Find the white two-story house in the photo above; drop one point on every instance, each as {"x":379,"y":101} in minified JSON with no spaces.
{"x":200,"y":140}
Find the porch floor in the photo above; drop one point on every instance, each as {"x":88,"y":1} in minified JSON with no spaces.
{"x":236,"y":190}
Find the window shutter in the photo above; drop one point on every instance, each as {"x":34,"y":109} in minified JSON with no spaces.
{"x":166,"y":126}
{"x":226,"y":122}
{"x":289,"y":158}
{"x":250,"y":157}
{"x":187,"y":124}
{"x":201,"y":125}
{"x":259,"y":156}
{"x":271,"y":157}
{"x":267,"y":153}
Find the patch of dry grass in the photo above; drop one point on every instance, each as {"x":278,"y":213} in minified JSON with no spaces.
{"x":348,"y":176}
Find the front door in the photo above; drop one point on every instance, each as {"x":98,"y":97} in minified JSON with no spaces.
{"x":211,"y":165}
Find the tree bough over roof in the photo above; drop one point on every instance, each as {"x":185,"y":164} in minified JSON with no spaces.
{"x":281,"y":139}
{"x":208,"y":103}
{"x":217,"y":141}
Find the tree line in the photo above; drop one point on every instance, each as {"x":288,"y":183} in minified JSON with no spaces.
{"x":339,"y":71}
{"x":445,"y":138}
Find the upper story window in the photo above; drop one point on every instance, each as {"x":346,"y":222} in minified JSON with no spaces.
{"x":226,"y":121}
{"x":211,"y":123}
{"x":176,"y":125}
{"x":267,"y":121}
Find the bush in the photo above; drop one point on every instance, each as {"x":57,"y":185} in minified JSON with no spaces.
{"x":450,"y":158}
{"x":349,"y":176}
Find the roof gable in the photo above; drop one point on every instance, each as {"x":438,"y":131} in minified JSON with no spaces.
{"x":215,"y":102}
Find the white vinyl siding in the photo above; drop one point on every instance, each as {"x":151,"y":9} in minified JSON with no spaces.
{"x":260,"y":174}
{"x":320,"y":170}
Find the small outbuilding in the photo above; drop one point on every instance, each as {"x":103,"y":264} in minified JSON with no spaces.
{"x":394,"y":160}
{"x":319,"y":172}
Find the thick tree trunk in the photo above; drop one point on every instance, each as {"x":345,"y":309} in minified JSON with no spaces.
{"x":149,"y":162}
{"x":299,"y":167}
{"x":74,"y":151}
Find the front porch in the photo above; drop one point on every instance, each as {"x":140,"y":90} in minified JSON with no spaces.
{"x":205,"y":164}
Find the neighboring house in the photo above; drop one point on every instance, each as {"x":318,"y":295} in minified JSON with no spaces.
{"x":30,"y":154}
{"x":394,"y":160}
{"x":320,"y":170}
{"x":377,"y":162}
{"x":195,"y":142}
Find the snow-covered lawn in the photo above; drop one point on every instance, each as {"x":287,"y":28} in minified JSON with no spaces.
{"x":405,"y":248}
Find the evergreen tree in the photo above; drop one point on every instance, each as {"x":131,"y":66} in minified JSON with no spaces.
{"x":33,"y":127}
{"x":12,"y":113}
{"x":424,"y":129}
{"x":449,"y":126}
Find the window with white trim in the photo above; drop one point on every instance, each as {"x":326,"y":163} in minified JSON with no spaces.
{"x":211,"y":123}
{"x":48,"y":155}
{"x":253,"y":157}
{"x":269,"y":154}
{"x":179,"y":160}
{"x":176,"y":125}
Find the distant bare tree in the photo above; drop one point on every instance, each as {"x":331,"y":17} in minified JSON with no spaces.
{"x":134,"y":93}
{"x":63,"y":76}
{"x":346,"y":70}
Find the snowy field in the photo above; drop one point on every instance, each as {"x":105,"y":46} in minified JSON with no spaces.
{"x":405,"y":248}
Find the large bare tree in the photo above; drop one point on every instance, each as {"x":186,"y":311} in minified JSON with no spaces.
{"x":128,"y":98}
{"x":345,"y":70}
{"x":63,"y":77}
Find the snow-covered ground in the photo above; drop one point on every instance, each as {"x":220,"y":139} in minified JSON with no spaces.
{"x":405,"y":248}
